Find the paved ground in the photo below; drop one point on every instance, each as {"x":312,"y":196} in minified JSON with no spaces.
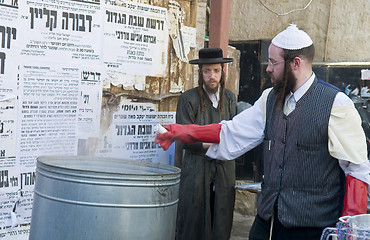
{"x":244,"y":213}
{"x":241,"y":226}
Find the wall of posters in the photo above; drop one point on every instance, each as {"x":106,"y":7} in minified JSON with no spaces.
{"x":54,"y":58}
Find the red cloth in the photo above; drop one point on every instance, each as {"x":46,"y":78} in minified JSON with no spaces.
{"x":191,"y":133}
{"x":355,"y":198}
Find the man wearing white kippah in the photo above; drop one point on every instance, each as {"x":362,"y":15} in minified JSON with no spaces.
{"x":314,"y":148}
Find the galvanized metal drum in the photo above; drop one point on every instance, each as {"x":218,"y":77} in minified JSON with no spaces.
{"x":96,"y":198}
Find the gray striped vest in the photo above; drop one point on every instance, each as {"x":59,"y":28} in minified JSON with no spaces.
{"x":300,"y":177}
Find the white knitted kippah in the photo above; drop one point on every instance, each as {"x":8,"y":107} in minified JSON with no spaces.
{"x":292,"y":38}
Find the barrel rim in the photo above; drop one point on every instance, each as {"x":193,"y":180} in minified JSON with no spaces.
{"x":44,"y":160}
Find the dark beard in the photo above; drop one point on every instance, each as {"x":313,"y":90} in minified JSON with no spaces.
{"x":284,"y":87}
{"x":212,"y":90}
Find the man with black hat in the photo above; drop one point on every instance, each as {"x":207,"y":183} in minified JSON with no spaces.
{"x":206,"y":198}
{"x":314,"y":148}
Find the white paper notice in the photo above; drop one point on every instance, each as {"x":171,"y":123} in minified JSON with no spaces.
{"x":48,"y":111}
{"x":126,"y":105}
{"x":133,"y":136}
{"x":89,"y":104}
{"x":9,"y":35}
{"x":181,"y":36}
{"x":16,"y":197}
{"x":189,"y":35}
{"x":135,"y":40}
{"x":68,"y":31}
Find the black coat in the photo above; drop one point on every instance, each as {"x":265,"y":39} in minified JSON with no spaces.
{"x":200,"y":175}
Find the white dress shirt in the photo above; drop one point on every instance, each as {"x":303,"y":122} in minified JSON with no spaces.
{"x":347,"y":140}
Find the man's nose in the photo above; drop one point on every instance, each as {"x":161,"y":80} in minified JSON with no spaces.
{"x":268,"y":68}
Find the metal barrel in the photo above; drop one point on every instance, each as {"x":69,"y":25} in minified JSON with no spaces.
{"x":96,"y":198}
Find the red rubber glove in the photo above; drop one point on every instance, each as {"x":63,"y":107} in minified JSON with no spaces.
{"x":191,"y":133}
{"x":355,"y":197}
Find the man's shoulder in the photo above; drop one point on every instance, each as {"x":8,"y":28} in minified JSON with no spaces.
{"x":191,"y":92}
{"x":328,"y":85}
{"x":190,"y":95}
{"x":229,"y":94}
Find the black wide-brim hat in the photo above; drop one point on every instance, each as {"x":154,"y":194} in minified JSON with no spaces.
{"x":210,"y":56}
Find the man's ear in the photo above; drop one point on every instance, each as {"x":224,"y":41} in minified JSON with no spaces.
{"x":297,"y":61}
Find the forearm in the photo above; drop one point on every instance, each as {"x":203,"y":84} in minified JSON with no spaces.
{"x":356,"y":187}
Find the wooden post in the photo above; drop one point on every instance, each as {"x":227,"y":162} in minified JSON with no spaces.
{"x":219,"y":24}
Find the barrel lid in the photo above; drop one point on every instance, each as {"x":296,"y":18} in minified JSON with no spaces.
{"x":107,"y":165}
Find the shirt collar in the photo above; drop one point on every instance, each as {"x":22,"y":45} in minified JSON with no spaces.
{"x":303,"y":89}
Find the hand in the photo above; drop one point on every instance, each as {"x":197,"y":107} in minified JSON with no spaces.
{"x":164,"y":139}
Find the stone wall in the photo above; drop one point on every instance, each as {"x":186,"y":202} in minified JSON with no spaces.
{"x":339,"y":29}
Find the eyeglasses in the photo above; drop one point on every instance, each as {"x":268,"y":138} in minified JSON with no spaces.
{"x":209,"y":71}
{"x":272,"y":64}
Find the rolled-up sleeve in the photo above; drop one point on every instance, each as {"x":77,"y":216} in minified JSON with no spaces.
{"x":347,"y":140}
